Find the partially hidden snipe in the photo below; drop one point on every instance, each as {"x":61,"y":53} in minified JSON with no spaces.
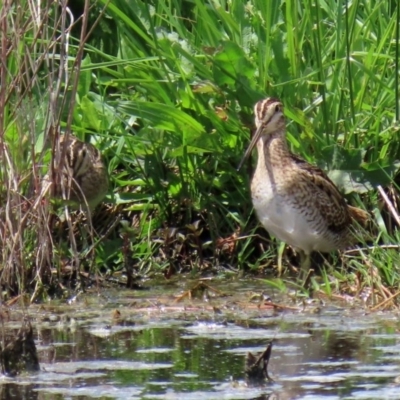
{"x":84,"y":175}
{"x":294,"y":200}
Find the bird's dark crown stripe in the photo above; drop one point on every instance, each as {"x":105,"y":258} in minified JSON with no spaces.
{"x":271,"y":100}
{"x":263,"y":106}
{"x":266,"y":103}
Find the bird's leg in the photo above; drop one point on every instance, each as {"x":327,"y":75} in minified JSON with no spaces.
{"x":281,"y":249}
{"x":305,"y":268}
{"x":305,"y":261}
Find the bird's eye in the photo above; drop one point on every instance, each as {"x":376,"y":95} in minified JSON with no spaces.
{"x":277,"y":108}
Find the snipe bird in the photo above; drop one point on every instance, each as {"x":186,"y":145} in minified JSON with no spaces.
{"x":84,"y":176}
{"x":295,"y":201}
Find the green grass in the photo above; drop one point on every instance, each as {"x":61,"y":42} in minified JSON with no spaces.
{"x":166,"y":91}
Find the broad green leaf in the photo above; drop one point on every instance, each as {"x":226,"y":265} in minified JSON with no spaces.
{"x":90,"y":116}
{"x":230,"y":63}
{"x":85,"y":77}
{"x":162,"y":116}
{"x":361,"y":180}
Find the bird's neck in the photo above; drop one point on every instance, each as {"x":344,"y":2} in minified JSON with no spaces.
{"x":273,"y":150}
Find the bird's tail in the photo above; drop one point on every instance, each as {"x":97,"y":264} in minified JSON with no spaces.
{"x":358,"y":215}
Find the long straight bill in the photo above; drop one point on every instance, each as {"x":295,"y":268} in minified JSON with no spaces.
{"x":251,"y":147}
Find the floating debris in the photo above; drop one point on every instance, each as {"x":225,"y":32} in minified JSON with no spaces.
{"x":20,"y":354}
{"x":256,"y":366}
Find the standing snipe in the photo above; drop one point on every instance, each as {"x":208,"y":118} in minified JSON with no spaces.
{"x":84,"y":177}
{"x":294,"y":200}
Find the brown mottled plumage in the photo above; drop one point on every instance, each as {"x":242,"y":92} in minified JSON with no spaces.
{"x":294,"y":200}
{"x":84,"y":174}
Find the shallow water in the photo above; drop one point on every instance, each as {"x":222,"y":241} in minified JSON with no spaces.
{"x":160,"y":348}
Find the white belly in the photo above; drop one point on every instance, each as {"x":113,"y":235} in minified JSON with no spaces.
{"x":288,"y":223}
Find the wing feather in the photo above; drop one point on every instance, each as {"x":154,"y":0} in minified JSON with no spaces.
{"x":327,"y":199}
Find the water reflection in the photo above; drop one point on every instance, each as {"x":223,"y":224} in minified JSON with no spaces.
{"x":158,"y":349}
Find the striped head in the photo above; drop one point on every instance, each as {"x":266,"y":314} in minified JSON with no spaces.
{"x":85,"y":177}
{"x":80,"y":156}
{"x":269,"y":118}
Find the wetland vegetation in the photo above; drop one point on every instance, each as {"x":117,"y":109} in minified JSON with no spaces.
{"x":165,"y":90}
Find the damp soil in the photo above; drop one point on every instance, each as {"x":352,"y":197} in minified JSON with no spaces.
{"x":190,"y":340}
